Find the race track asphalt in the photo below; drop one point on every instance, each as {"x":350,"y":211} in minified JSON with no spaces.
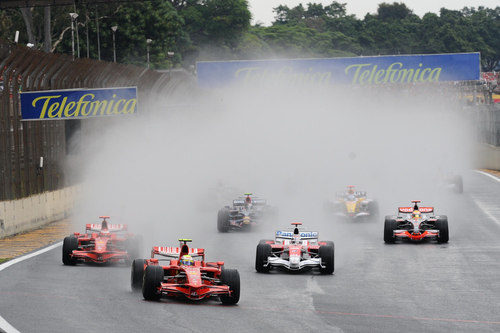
{"x":404,"y":287}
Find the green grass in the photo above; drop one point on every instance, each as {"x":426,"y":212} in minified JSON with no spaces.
{"x":2,"y":260}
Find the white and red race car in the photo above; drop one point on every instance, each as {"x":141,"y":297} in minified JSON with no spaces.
{"x":295,"y":250}
{"x":416,"y":224}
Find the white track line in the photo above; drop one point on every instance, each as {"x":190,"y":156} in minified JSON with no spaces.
{"x":488,"y":174}
{"x":4,"y":324}
{"x":482,"y":206}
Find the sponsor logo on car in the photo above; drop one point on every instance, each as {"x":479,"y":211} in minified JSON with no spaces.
{"x":304,"y":234}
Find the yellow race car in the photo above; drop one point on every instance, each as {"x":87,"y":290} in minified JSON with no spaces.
{"x":353,"y":205}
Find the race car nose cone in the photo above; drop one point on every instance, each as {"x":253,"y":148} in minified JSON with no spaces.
{"x":294,"y":261}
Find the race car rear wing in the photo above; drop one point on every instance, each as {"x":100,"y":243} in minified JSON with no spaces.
{"x":425,"y":210}
{"x":259,"y":202}
{"x":174,"y":252}
{"x":282,"y":234}
{"x":111,"y":227}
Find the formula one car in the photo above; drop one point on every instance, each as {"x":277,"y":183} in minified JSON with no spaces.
{"x":101,"y":243}
{"x":353,"y":205}
{"x":245,"y":213}
{"x":416,"y":224}
{"x":295,"y":250}
{"x":182,"y":271}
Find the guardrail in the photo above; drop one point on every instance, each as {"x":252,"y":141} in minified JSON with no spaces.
{"x":23,"y":143}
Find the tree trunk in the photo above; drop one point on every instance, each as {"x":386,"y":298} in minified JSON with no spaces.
{"x":28,"y":21}
{"x":47,"y":43}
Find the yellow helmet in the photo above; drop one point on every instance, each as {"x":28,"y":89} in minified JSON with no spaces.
{"x":416,"y":214}
{"x":187,"y":260}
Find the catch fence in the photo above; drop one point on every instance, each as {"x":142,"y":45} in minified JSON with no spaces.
{"x":24,"y":143}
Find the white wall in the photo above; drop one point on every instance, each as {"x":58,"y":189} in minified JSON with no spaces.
{"x":32,"y":212}
{"x":488,"y":157}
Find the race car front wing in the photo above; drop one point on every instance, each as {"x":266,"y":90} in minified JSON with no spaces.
{"x":430,"y":233}
{"x":294,"y":265}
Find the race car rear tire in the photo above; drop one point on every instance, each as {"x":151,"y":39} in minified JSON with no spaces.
{"x":327,"y":255}
{"x":330,"y":243}
{"x":69,"y":244}
{"x":153,"y":277}
{"x":389,"y":227}
{"x":137,"y":274}
{"x":442,"y":226}
{"x":264,"y":241}
{"x":261,"y":257}
{"x":223,"y":220}
{"x":231,"y":278}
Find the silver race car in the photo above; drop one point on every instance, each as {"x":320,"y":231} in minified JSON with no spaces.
{"x":416,"y":224}
{"x":295,"y":250}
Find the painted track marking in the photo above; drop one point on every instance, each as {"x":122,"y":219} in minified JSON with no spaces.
{"x":4,"y":324}
{"x":488,"y":175}
{"x":482,"y":206}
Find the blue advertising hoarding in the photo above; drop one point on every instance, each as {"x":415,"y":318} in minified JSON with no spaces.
{"x":78,"y":103}
{"x":398,"y":69}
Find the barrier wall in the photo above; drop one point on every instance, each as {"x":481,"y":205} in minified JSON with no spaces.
{"x":488,"y":157}
{"x":29,"y":213}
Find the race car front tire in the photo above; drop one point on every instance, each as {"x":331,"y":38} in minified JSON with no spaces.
{"x":231,"y":278}
{"x":153,"y":277}
{"x":442,"y":226}
{"x":327,"y":255}
{"x":389,"y":227}
{"x":69,"y":244}
{"x":137,"y":274}
{"x":261,"y":257}
{"x":223,"y":220}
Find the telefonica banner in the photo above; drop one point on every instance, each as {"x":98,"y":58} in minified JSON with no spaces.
{"x":400,"y":69}
{"x":78,"y":103}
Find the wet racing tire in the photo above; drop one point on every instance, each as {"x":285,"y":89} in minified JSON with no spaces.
{"x":327,"y":255}
{"x":231,"y":278}
{"x":261,"y":257}
{"x":153,"y":277}
{"x":137,"y":274}
{"x":69,"y":244}
{"x":442,"y":226}
{"x":389,"y":227}
{"x":223,"y":220}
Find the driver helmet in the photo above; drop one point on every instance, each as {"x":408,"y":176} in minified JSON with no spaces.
{"x":416,"y":214}
{"x":296,"y":239}
{"x":104,"y":225}
{"x":187,"y":260}
{"x":350,"y":190}
{"x":248,"y":200}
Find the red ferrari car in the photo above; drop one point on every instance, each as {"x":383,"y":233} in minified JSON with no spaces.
{"x":101,"y":243}
{"x":182,"y":271}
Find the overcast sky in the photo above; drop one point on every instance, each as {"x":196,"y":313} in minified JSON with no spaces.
{"x":262,"y":10}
